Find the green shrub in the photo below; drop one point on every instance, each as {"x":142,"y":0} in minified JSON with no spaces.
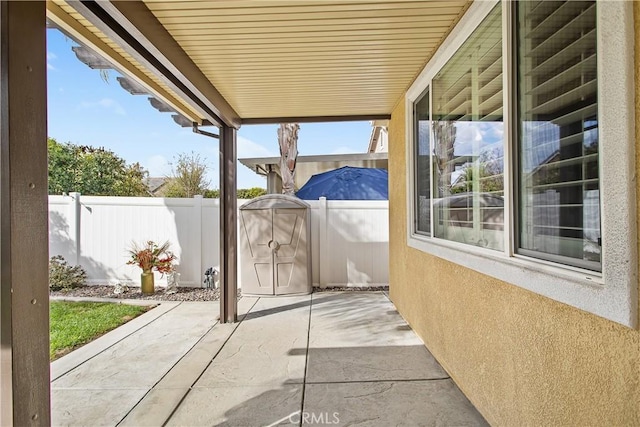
{"x":242,"y":193}
{"x":211,"y":194}
{"x":251,"y":193}
{"x":64,"y":276}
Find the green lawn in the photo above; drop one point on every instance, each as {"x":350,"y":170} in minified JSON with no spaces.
{"x":73,"y":324}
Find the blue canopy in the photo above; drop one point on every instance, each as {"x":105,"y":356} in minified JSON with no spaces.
{"x":347,"y":183}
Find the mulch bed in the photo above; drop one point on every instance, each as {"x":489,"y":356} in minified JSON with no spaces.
{"x":183,"y":294}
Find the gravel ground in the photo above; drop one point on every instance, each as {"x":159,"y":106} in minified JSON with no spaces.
{"x":183,"y":294}
{"x":105,"y":291}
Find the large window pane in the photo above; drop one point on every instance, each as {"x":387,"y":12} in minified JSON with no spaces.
{"x":423,"y":172}
{"x":559,"y":197}
{"x":468,"y":140}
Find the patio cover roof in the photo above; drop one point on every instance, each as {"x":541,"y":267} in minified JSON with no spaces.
{"x":267,"y":61}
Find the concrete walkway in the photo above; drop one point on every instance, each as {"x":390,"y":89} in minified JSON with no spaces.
{"x":323,"y":359}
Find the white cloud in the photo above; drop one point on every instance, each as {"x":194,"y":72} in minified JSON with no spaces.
{"x":343,"y":150}
{"x":158,"y":166}
{"x":475,"y":137}
{"x":106,"y":103}
{"x":111,"y":104}
{"x":250,"y":149}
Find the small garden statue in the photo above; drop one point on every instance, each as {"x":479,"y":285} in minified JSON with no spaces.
{"x":119,"y":288}
{"x":211,"y":278}
{"x":173,"y":280}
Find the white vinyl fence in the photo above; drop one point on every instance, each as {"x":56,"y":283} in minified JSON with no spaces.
{"x":350,"y":239}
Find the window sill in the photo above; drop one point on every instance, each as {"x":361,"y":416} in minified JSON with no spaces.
{"x":578,"y":288}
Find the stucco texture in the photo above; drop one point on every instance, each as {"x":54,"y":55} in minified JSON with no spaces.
{"x":521,"y":358}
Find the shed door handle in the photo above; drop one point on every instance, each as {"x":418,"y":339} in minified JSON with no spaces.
{"x":274,"y":245}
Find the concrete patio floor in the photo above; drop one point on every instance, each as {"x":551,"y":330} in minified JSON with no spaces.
{"x":334,"y":358}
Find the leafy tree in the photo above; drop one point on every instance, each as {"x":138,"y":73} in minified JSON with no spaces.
{"x":212,"y":194}
{"x":251,"y":193}
{"x":92,"y":171}
{"x":188,"y":176}
{"x":64,"y":167}
{"x":242,"y":193}
{"x":133,"y":182}
{"x":490,"y":174}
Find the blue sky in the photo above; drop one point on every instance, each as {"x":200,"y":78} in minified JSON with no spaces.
{"x":84,"y":109}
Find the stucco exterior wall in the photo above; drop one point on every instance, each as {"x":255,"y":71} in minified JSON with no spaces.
{"x":521,"y":358}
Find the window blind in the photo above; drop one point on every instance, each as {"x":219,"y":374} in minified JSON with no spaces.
{"x":468,"y":142}
{"x":559,"y":214}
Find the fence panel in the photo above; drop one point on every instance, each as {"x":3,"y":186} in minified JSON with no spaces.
{"x":110,"y":225}
{"x":349,"y":239}
{"x":357,"y":243}
{"x":315,"y":242}
{"x":61,"y":238}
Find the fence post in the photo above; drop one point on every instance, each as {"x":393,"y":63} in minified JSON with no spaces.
{"x":324,"y":249}
{"x":197,"y":221}
{"x":75,"y":227}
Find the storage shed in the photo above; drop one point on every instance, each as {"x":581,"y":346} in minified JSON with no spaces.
{"x":275,"y":246}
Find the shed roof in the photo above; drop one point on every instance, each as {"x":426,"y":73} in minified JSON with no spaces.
{"x":275,"y":201}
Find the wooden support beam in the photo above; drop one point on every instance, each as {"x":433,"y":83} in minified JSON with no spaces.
{"x":24,"y":289}
{"x":228,"y":226}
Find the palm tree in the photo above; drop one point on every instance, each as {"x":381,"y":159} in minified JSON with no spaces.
{"x":288,"y":141}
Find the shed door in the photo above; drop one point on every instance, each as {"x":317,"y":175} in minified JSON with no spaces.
{"x":276,"y":241}
{"x":256,"y":233}
{"x":290,"y":251}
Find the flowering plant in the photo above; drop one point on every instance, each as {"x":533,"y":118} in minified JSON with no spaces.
{"x":152,"y":256}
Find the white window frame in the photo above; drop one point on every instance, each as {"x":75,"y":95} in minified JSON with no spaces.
{"x":613,"y":293}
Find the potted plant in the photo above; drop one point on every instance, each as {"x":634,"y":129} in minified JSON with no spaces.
{"x":149,"y":257}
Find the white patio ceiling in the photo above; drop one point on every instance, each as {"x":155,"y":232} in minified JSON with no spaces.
{"x":272,"y":60}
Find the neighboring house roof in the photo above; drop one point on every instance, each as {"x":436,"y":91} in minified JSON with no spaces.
{"x":156,"y":184}
{"x":378,"y":138}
